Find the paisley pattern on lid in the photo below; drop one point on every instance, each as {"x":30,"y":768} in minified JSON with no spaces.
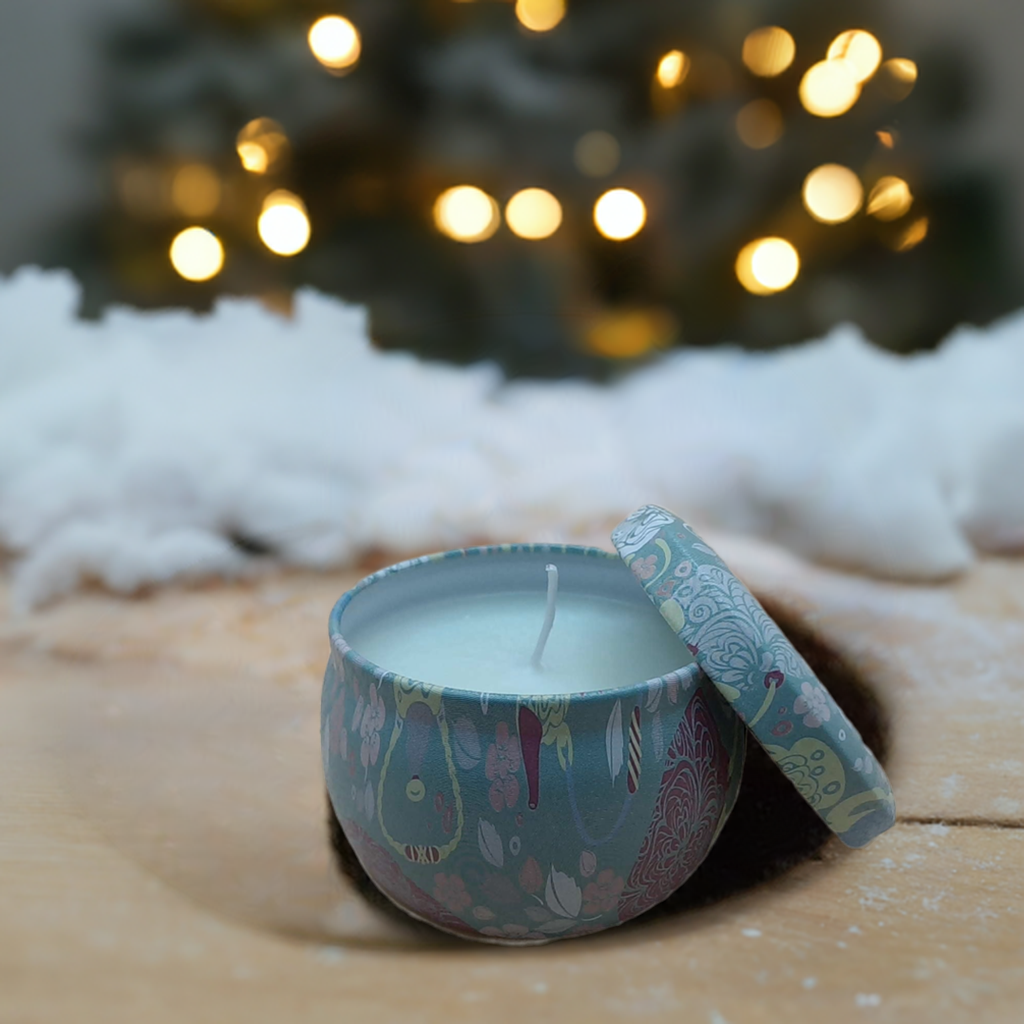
{"x":759,"y":672}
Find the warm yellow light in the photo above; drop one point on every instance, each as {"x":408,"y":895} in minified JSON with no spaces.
{"x":597,"y":154}
{"x":672,"y":69}
{"x":767,"y":265}
{"x":260,"y":144}
{"x":540,"y":15}
{"x":619,"y":214}
{"x":913,"y":235}
{"x":829,"y":88}
{"x":196,"y":254}
{"x":630,"y":333}
{"x":886,"y":138}
{"x":254,"y":157}
{"x":768,"y":51}
{"x":335,"y":42}
{"x":898,"y":77}
{"x":861,"y":49}
{"x":832,"y":193}
{"x":195,"y":190}
{"x":283,"y":224}
{"x":533,"y":213}
{"x":759,"y":124}
{"x":890,"y":198}
{"x":466,"y":213}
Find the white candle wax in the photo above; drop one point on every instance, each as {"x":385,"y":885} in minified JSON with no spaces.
{"x":484,"y":642}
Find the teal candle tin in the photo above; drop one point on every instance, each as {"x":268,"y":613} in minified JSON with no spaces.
{"x":527,"y":804}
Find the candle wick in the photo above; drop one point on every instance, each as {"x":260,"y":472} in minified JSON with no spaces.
{"x":549,"y":615}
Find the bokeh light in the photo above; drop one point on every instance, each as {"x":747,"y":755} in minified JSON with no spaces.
{"x":196,"y":254}
{"x":759,"y":123}
{"x":768,"y":51}
{"x":283,"y":225}
{"x":829,"y":88}
{"x":890,"y":198}
{"x":672,"y":69}
{"x":195,"y":190}
{"x":619,"y":214}
{"x":914,"y":234}
{"x":630,"y":333}
{"x":260,"y":145}
{"x":597,"y":154}
{"x":466,"y":213}
{"x":767,"y":265}
{"x":861,"y":49}
{"x":533,"y":213}
{"x":886,"y":138}
{"x":897,"y":77}
{"x":540,"y":15}
{"x":335,"y":42}
{"x":832,"y":193}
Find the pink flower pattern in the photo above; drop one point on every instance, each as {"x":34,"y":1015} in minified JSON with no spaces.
{"x":602,"y":894}
{"x":451,"y":891}
{"x":645,"y":568}
{"x":503,"y":760}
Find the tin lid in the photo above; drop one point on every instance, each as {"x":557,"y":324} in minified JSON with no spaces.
{"x":759,"y":672}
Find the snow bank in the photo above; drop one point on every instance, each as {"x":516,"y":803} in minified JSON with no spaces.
{"x":155,"y":446}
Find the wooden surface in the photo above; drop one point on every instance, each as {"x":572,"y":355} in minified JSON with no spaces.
{"x":163,"y":854}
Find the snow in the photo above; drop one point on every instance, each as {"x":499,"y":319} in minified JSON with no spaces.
{"x":137,"y":450}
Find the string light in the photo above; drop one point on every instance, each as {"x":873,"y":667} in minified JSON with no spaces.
{"x":466,"y":213}
{"x":861,"y":49}
{"x":767,"y":265}
{"x":672,"y":69}
{"x":335,"y":42}
{"x":597,"y":154}
{"x":915,"y":234}
{"x":540,"y":15}
{"x":260,"y":145}
{"x":195,"y":190}
{"x":898,"y":77}
{"x":196,"y":254}
{"x":619,"y":214}
{"x":283,"y":225}
{"x":890,"y":198}
{"x":630,"y":333}
{"x":768,"y":51}
{"x":829,"y":88}
{"x":759,"y":124}
{"x":832,"y":193}
{"x":533,"y":213}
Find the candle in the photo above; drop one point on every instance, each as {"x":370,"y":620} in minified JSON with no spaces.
{"x":484,"y":643}
{"x":503,"y":780}
{"x":516,"y":756}
{"x":481,"y":631}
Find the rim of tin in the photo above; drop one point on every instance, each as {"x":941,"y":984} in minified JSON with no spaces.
{"x":341,"y":646}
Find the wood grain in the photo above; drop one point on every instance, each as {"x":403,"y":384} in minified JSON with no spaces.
{"x":163,"y":854}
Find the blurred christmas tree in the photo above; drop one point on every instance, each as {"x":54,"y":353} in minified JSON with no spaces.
{"x":553,"y":188}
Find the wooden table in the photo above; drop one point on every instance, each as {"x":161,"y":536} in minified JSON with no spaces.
{"x":163,"y":854}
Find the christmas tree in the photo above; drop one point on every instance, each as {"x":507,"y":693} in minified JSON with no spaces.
{"x":560,"y":189}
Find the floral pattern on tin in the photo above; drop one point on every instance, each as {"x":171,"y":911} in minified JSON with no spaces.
{"x":752,"y":664}
{"x":690,"y":797}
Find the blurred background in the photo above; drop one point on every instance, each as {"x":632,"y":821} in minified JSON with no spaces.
{"x":566,"y":187}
